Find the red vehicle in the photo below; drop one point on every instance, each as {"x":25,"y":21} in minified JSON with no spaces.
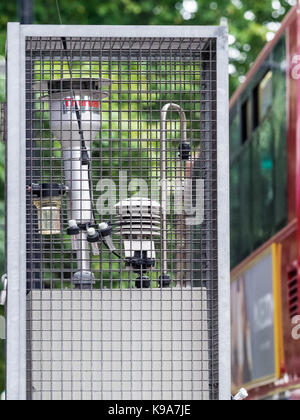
{"x":265,"y":217}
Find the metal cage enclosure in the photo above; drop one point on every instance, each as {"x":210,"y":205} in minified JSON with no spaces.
{"x":117,"y":213}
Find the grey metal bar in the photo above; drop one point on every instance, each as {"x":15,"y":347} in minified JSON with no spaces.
{"x":122,"y":31}
{"x":223,"y":215}
{"x":16,"y":217}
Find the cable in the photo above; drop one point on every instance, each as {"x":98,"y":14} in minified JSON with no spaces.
{"x":113,"y":252}
{"x":58,"y":12}
{"x":84,"y":153}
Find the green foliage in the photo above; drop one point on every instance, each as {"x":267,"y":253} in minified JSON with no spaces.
{"x":251,"y":22}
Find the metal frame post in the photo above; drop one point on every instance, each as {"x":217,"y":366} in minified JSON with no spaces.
{"x":16,"y":216}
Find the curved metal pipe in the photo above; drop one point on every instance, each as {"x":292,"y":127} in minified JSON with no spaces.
{"x":183,"y":121}
{"x":164,"y":160}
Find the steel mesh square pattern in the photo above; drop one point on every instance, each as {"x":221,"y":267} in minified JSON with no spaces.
{"x":95,"y":128}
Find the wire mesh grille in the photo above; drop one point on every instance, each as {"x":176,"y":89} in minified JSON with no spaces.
{"x":121,"y":171}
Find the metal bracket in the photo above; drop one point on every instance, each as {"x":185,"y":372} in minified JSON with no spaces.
{"x":3,"y":289}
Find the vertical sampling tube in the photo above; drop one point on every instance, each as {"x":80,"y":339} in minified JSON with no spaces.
{"x":80,"y":201}
{"x":164,"y":175}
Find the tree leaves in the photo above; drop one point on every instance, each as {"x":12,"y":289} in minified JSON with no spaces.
{"x":248,"y":20}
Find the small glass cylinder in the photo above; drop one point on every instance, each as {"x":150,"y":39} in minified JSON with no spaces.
{"x":93,"y":237}
{"x":74,"y":231}
{"x":48,"y":215}
{"x":95,"y":249}
{"x":74,"y":242}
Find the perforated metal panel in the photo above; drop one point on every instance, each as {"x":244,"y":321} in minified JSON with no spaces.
{"x":122,"y":145}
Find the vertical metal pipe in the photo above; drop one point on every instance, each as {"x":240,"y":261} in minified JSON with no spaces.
{"x":80,"y":201}
{"x":25,"y":11}
{"x":164,"y":167}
